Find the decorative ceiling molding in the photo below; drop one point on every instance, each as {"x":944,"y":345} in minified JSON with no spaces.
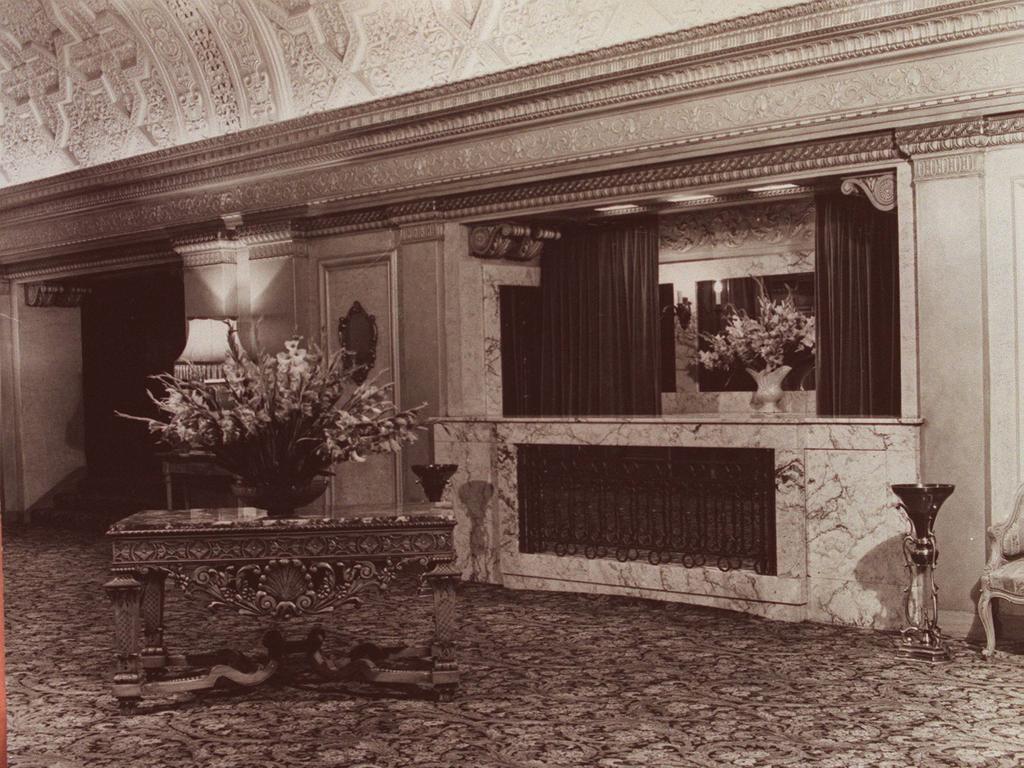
{"x":322,"y":164}
{"x":676,"y":64}
{"x":160,"y":73}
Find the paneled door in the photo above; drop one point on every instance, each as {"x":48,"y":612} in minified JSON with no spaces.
{"x":370,"y":280}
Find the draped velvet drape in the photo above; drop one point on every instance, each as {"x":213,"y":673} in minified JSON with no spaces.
{"x":600,"y":344}
{"x":857,"y":294}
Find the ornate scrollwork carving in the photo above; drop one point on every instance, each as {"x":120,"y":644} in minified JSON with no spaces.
{"x":286,"y":588}
{"x":879,"y":189}
{"x":509,"y":240}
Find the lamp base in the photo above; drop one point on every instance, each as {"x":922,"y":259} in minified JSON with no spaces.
{"x":935,"y":653}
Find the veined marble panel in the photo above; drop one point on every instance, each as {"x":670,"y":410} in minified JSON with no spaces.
{"x":474,"y":501}
{"x":495,"y":276}
{"x":855,"y":533}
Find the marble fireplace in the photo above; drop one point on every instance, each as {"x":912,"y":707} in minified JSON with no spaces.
{"x":837,"y":529}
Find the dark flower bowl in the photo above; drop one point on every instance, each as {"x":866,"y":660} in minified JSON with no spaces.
{"x":434,"y":478}
{"x":280,"y":501}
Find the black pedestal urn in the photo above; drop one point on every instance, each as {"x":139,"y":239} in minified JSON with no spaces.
{"x":922,"y":638}
{"x":434,"y":478}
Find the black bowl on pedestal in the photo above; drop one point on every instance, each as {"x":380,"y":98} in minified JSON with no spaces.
{"x":921,"y":502}
{"x":434,"y":478}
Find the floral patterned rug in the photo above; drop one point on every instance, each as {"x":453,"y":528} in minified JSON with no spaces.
{"x":548,"y":680}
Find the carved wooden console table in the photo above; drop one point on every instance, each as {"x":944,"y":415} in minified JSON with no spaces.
{"x":276,"y":569}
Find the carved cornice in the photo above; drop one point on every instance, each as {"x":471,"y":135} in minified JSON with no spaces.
{"x":207,"y":250}
{"x":418,"y":233}
{"x":777,"y":161}
{"x":273,"y":240}
{"x":878,"y":188}
{"x":955,"y":164}
{"x":679,"y":64}
{"x":972,"y":133}
{"x":130,"y":258}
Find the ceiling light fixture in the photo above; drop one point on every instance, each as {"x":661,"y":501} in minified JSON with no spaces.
{"x":621,"y":207}
{"x":773,"y":187}
{"x":690,"y":198}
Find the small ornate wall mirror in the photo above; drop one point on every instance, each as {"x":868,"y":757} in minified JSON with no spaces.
{"x":357,"y":332}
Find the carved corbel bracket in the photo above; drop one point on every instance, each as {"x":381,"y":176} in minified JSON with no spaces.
{"x":55,"y":295}
{"x":509,"y":240}
{"x":879,"y":189}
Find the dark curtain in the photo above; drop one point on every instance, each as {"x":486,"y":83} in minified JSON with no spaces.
{"x":133,"y":326}
{"x":599,"y":350}
{"x":857,"y":293}
{"x":521,"y":333}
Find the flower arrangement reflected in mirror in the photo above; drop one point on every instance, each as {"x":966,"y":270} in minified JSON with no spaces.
{"x":278,"y":423}
{"x":764,"y":345}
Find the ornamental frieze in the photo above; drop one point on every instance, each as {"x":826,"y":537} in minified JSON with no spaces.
{"x":166,"y":550}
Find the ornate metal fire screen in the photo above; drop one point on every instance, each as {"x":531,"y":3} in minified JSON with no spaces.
{"x":695,"y":506}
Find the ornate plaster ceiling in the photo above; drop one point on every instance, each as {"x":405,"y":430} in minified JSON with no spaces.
{"x":84,"y":82}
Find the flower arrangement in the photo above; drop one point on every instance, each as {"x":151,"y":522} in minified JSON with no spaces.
{"x":761,"y":344}
{"x":281,"y":420}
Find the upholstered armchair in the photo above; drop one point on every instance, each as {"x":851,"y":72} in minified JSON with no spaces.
{"x":1004,"y":574}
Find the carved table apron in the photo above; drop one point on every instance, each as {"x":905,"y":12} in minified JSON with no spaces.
{"x":238,"y":559}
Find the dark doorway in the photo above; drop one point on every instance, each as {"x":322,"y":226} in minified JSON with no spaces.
{"x":133,"y":327}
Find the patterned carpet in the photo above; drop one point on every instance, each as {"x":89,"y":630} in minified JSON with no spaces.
{"x":549,"y":680}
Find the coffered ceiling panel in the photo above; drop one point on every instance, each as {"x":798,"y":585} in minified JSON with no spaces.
{"x":83,"y":82}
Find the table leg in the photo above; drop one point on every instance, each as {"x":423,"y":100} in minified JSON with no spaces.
{"x":168,"y":484}
{"x":125,"y":593}
{"x":154,"y":655}
{"x":445,"y":671}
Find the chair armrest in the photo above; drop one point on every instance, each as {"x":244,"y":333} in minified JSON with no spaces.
{"x":995,"y":537}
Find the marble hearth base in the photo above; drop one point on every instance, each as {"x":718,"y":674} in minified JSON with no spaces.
{"x":838,"y":529}
{"x":771,"y":596}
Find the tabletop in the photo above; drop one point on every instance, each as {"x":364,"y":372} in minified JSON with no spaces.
{"x":154,"y":521}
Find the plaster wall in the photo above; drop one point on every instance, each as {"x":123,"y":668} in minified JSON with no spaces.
{"x":421,"y":329}
{"x":954,"y":359}
{"x":49,"y":342}
{"x":274,"y":301}
{"x":10,"y":457}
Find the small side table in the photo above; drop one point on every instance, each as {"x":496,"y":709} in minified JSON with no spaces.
{"x":191,"y":464}
{"x":240,"y":560}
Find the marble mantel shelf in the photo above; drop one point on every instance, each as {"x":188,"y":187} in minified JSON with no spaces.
{"x":787,"y":419}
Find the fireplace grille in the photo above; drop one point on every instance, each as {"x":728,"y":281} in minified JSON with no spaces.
{"x":694,"y":506}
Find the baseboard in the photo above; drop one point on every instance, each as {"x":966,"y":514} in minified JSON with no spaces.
{"x":966,"y":625}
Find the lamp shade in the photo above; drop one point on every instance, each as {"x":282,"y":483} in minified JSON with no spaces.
{"x":205,"y":350}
